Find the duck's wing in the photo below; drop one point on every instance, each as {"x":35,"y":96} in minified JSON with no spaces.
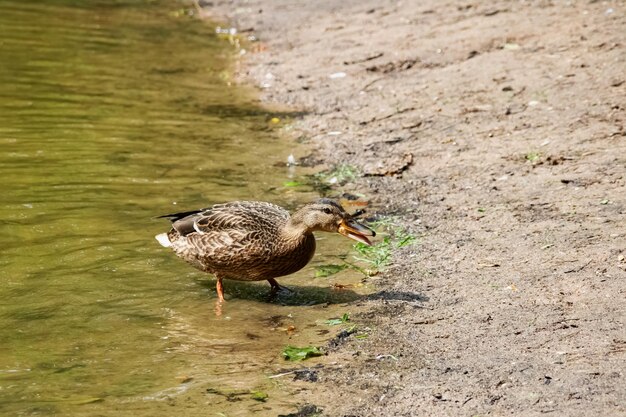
{"x":239,"y":214}
{"x":230,"y":224}
{"x":244,"y":216}
{"x":232,"y":237}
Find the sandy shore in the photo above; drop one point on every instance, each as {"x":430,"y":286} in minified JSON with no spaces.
{"x":495,"y":132}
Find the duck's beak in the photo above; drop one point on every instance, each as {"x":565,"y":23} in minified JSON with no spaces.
{"x":355,"y":230}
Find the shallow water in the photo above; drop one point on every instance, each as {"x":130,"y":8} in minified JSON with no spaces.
{"x":113,"y":112}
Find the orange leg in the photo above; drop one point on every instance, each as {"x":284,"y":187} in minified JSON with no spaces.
{"x":220,"y":290}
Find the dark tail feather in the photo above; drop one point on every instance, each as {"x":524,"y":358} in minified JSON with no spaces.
{"x":177,"y":216}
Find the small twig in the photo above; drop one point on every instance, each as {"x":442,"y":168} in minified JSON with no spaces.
{"x":520,"y":91}
{"x":387,"y":116}
{"x":427,"y":321}
{"x":569,"y":335}
{"x":578,"y":269}
{"x":368,"y":58}
{"x":366,"y":86}
{"x":283,"y":374}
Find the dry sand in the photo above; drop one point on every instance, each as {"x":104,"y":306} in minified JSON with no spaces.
{"x":495,"y":131}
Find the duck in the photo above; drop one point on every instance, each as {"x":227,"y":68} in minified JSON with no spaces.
{"x":256,"y":240}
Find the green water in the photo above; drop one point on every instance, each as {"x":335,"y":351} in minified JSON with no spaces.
{"x":113,"y":112}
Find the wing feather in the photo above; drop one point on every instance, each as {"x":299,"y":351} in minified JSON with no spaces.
{"x":233,"y":236}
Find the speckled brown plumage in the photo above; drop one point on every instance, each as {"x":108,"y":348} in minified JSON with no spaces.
{"x":253,"y":240}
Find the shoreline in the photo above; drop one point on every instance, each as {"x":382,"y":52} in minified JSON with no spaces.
{"x":495,"y":132}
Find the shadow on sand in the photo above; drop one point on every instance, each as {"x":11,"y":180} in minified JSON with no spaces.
{"x":305,"y":295}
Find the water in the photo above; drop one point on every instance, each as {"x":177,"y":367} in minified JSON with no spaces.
{"x":113,"y":112}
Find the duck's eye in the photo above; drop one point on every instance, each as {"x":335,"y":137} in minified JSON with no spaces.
{"x":326,"y":210}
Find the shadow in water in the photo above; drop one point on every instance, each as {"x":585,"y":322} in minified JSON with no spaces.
{"x":301,"y":295}
{"x":298,"y":295}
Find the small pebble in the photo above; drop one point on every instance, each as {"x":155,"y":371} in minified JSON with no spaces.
{"x":337,"y":75}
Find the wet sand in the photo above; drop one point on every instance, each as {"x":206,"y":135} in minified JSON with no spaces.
{"x":495,"y":132}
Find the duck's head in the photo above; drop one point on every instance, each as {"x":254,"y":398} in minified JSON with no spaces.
{"x":328,"y":216}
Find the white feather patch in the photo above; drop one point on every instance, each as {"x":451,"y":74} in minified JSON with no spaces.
{"x":195,"y":226}
{"x":164,"y":240}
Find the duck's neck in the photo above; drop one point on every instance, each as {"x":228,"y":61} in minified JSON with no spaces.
{"x":295,"y":229}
